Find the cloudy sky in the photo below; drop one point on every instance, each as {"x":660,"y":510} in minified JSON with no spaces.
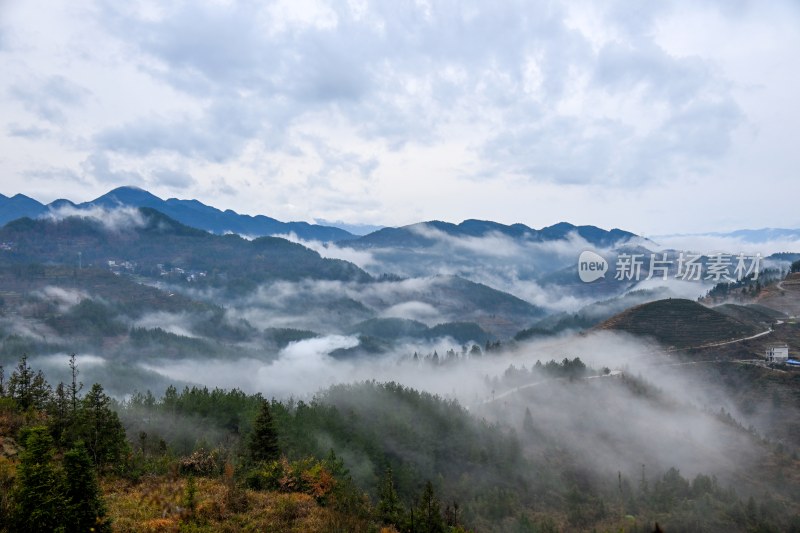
{"x":657,"y":117}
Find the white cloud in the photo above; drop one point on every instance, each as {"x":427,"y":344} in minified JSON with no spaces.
{"x":65,"y":298}
{"x":710,"y":244}
{"x":413,"y":310}
{"x":361,"y":258}
{"x":115,"y":219}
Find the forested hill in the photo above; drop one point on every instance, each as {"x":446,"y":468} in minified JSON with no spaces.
{"x":358,"y":458}
{"x":149,"y":239}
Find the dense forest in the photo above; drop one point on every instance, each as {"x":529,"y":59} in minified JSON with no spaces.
{"x":363,"y":457}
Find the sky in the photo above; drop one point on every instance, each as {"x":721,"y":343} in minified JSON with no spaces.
{"x":655,"y":117}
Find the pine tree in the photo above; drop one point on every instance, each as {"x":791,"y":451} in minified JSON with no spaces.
{"x":390,"y":509}
{"x":19,"y":384}
{"x":85,"y":508}
{"x":100,"y":428}
{"x":430,"y":514}
{"x":38,"y":497}
{"x":40,"y":391}
{"x":264,"y":439}
{"x":527,"y":422}
{"x":75,"y":386}
{"x":59,"y":413}
{"x":28,"y":388}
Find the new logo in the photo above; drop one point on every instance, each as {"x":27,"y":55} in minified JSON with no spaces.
{"x":591,"y":266}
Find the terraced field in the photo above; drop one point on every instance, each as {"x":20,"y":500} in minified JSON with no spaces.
{"x":679,"y":323}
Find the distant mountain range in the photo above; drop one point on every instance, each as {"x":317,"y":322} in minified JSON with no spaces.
{"x":189,"y":212}
{"x":196,"y":214}
{"x":428,"y":234}
{"x":153,"y":247}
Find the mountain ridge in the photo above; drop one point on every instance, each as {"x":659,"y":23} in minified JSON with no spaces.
{"x":189,"y":212}
{"x":420,"y":235}
{"x":196,"y":214}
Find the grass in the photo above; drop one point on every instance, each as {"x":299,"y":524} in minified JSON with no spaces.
{"x":158,"y":504}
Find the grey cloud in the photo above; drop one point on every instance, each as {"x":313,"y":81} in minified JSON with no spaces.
{"x":27,"y":132}
{"x":567,"y":150}
{"x":339,"y":161}
{"x":219,"y":134}
{"x":98,"y":166}
{"x":222,"y":51}
{"x":688,"y":141}
{"x":50,"y":98}
{"x":55,"y":174}
{"x":172,"y":178}
{"x":400,"y":72}
{"x":621,"y":68}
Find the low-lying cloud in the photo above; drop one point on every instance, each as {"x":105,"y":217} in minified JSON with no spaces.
{"x":114,"y":219}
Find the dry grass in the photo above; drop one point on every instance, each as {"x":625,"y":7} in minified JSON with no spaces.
{"x":157,"y":504}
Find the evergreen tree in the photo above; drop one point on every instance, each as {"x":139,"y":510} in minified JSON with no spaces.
{"x":85,"y":508}
{"x":28,"y":388}
{"x":100,"y":428}
{"x":390,"y":509}
{"x":430,"y":514}
{"x":38,"y":498}
{"x":75,"y":386}
{"x":170,"y":399}
{"x":59,"y":413}
{"x":527,"y":422}
{"x":19,"y":384}
{"x":264,"y":439}
{"x":40,"y":391}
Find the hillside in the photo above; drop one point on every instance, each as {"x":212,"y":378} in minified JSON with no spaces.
{"x":679,"y":323}
{"x":19,"y":283}
{"x":783,"y":296}
{"x":757,"y":315}
{"x":152,"y":239}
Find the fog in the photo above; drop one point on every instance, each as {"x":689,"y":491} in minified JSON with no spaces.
{"x":116,"y":219}
{"x":643,"y":413}
{"x":709,"y":244}
{"x":177,"y":323}
{"x":513,"y":265}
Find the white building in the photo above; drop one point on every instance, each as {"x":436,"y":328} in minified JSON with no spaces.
{"x":777,"y":353}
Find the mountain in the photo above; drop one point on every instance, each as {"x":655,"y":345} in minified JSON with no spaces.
{"x":199,"y":215}
{"x":428,"y":234}
{"x":679,"y":323}
{"x":189,"y":212}
{"x":19,"y":206}
{"x":153,"y":244}
{"x":355,"y":229}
